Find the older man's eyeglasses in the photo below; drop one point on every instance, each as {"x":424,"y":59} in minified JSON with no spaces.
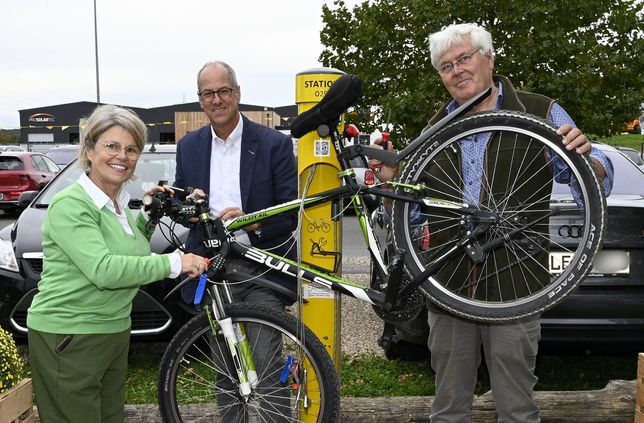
{"x":113,"y":148}
{"x":223,"y":93}
{"x":464,"y":60}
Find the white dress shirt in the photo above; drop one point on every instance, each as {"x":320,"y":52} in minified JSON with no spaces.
{"x":224,"y":174}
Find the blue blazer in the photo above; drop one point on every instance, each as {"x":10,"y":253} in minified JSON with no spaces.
{"x":267,"y":177}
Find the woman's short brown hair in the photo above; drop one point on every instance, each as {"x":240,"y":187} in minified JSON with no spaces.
{"x":102,"y":119}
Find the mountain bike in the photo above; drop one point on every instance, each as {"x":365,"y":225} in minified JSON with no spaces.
{"x":487,"y":259}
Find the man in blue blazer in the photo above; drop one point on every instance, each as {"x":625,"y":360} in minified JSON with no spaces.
{"x":242,"y":166}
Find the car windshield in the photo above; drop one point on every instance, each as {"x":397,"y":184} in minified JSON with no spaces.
{"x":150,"y":169}
{"x":626,"y":173}
{"x":62,"y":156}
{"x":633,"y":155}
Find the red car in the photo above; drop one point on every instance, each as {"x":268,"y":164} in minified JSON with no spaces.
{"x":23,"y":171}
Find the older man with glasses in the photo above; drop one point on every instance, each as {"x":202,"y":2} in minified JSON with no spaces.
{"x":463,"y":55}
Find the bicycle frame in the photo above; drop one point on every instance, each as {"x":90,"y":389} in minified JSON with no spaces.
{"x":357,"y":192}
{"x":323,"y":278}
{"x":234,"y":334}
{"x":394,"y":299}
{"x":410,"y":193}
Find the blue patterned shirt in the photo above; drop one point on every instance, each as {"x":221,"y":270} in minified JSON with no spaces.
{"x":473,"y":150}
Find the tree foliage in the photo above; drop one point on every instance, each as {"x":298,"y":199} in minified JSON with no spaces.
{"x":8,"y":138}
{"x":588,"y":55}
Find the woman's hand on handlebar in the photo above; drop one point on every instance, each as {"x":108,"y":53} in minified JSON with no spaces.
{"x":193,"y":265}
{"x":156,"y":189}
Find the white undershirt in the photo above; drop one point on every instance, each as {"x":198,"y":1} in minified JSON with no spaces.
{"x":225,"y":161}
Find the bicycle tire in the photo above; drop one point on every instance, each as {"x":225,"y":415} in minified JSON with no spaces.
{"x":188,"y":386}
{"x":518,"y":279}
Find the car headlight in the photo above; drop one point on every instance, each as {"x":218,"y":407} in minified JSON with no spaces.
{"x":7,"y":257}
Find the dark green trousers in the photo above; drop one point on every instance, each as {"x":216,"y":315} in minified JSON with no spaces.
{"x":79,"y":378}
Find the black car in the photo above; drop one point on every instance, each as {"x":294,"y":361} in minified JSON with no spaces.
{"x":21,"y":255}
{"x":606,"y":312}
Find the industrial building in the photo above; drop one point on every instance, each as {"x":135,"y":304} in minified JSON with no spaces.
{"x":43,"y":127}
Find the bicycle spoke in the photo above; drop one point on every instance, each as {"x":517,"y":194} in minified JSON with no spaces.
{"x":502,"y":270}
{"x":194,"y":371}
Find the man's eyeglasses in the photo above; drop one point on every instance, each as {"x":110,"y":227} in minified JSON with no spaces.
{"x":113,"y":148}
{"x":464,"y":60}
{"x":223,"y":93}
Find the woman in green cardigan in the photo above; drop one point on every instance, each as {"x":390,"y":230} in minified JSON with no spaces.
{"x":97,"y":255}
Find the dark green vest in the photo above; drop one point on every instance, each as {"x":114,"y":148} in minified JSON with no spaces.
{"x":497,"y":277}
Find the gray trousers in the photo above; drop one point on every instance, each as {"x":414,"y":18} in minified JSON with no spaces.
{"x":510,"y":354}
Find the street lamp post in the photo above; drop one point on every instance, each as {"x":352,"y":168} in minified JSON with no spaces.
{"x":98,"y":90}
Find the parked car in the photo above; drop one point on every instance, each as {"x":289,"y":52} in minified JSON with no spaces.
{"x":21,"y":255}
{"x":12,"y":148}
{"x":23,"y":171}
{"x":63,"y":154}
{"x":634,"y":155}
{"x":607,"y":310}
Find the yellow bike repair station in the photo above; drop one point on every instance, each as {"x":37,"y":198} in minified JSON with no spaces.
{"x":321,"y":225}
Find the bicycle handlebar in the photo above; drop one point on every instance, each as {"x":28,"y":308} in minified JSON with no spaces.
{"x":213,"y":233}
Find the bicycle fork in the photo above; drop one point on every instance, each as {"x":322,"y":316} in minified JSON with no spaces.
{"x":236,"y":341}
{"x":294,"y":372}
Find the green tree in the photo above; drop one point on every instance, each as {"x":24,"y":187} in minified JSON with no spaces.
{"x":586,"y":55}
{"x":9,"y":137}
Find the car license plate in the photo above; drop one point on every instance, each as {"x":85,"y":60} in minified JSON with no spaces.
{"x":605,"y":262}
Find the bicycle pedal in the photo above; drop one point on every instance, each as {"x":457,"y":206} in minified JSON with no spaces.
{"x":388,"y":336}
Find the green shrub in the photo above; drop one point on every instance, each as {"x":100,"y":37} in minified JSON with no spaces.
{"x":11,"y":364}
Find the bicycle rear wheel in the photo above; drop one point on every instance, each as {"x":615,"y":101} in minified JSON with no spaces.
{"x":198,"y":381}
{"x":528,"y":272}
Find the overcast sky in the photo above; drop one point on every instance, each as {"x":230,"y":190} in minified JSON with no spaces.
{"x":149,"y":51}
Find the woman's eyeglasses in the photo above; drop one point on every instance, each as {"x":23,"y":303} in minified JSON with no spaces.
{"x":113,"y":148}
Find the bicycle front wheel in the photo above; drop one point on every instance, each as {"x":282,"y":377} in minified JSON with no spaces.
{"x":535,"y":244}
{"x":296,"y":380}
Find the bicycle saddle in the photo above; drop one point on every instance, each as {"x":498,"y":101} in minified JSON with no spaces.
{"x":344,"y":93}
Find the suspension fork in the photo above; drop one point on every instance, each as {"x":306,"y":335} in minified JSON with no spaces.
{"x":235,"y":335}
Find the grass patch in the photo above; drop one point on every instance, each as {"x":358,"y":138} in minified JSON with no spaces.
{"x":141,"y":384}
{"x":623,"y":140}
{"x":583,"y":372}
{"x":373,"y":376}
